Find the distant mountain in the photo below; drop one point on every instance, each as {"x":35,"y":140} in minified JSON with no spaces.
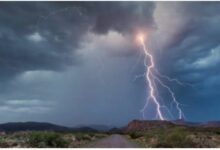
{"x":197,"y":124}
{"x":211,"y":124}
{"x":40,"y":126}
{"x":135,"y":125}
{"x":115,"y":130}
{"x":97,"y":127}
{"x":179,"y":121}
{"x":37,"y":126}
{"x":101,"y":127}
{"x":186,"y":123}
{"x":84,"y":129}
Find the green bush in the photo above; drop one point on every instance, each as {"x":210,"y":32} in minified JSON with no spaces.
{"x":3,"y":143}
{"x":148,"y":136}
{"x":176,"y":139}
{"x":217,"y":132}
{"x":91,"y":134}
{"x":135,"y":135}
{"x":82,"y":137}
{"x":47,"y":139}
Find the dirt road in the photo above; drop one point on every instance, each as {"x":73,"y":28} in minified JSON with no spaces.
{"x":113,"y":141}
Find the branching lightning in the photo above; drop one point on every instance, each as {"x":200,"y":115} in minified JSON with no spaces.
{"x":180,"y":113}
{"x":173,"y":79}
{"x":151,"y":78}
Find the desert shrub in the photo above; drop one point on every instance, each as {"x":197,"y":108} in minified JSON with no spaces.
{"x":148,"y":136}
{"x":176,"y":139}
{"x":46,"y":139}
{"x":3,"y":143}
{"x":217,"y":132}
{"x":91,"y":134}
{"x":82,"y":136}
{"x":86,"y":137}
{"x":156,"y":133}
{"x":79,"y":136}
{"x":135,"y":135}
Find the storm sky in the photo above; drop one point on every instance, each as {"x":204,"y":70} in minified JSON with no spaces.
{"x":75,"y":63}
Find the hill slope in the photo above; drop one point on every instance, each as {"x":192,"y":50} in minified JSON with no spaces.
{"x":40,"y":126}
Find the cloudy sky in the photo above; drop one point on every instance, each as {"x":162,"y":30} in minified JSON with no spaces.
{"x":75,"y":63}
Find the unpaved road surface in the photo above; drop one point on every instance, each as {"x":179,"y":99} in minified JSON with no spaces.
{"x":113,"y":141}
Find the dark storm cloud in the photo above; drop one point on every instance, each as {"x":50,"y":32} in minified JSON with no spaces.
{"x":24,"y":45}
{"x":58,"y":59}
{"x":61,"y":56}
{"x":45,"y":35}
{"x":124,"y":17}
{"x":196,"y":40}
{"x":192,"y":55}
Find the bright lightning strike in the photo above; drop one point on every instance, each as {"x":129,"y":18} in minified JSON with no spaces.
{"x":151,"y":78}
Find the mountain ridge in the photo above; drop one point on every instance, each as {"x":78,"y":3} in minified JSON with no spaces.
{"x":40,"y":126}
{"x":134,"y":125}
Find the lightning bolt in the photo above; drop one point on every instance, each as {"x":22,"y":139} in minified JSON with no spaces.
{"x":173,"y":79}
{"x":180,"y":113}
{"x":150,"y":81}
